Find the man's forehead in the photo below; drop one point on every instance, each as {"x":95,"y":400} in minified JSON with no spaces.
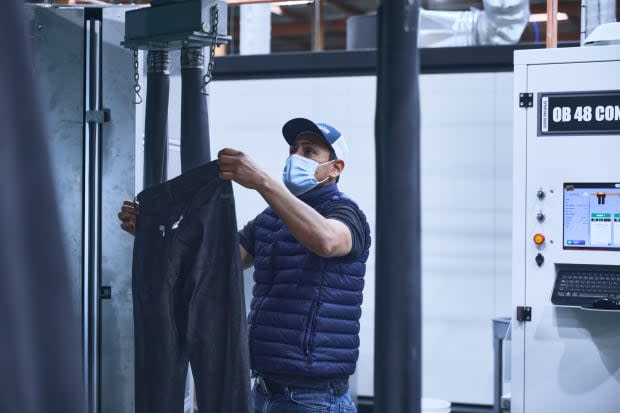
{"x":312,"y":138}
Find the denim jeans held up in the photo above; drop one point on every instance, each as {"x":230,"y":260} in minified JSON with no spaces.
{"x":188,"y":297}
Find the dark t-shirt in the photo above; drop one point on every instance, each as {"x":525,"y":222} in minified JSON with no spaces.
{"x":342,"y":211}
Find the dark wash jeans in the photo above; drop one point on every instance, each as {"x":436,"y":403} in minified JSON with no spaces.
{"x":299,"y":400}
{"x":188,"y":297}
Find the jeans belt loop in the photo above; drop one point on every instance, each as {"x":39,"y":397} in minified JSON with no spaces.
{"x":262,"y":384}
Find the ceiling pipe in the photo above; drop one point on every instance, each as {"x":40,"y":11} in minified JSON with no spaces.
{"x":552,"y":23}
{"x":318,"y":39}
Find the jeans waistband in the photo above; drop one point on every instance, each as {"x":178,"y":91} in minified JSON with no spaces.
{"x":339,"y":386}
{"x":173,"y":196}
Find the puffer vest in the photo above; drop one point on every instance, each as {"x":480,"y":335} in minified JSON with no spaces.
{"x":304,"y":318}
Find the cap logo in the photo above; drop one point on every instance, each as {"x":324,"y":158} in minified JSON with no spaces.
{"x":324,"y":129}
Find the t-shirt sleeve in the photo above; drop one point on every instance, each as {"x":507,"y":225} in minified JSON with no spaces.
{"x":246,"y":237}
{"x":349,"y":215}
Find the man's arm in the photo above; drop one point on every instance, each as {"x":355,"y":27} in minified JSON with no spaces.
{"x":246,"y":258}
{"x":324,"y":237}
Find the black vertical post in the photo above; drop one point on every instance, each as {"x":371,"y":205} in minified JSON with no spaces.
{"x":156,"y":118}
{"x":397,"y":380}
{"x":501,"y":326}
{"x":498,"y":374}
{"x":195,"y":150}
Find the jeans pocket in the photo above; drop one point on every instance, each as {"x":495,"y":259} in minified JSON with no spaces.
{"x":259,"y":399}
{"x":346,"y":405}
{"x":312,"y":400}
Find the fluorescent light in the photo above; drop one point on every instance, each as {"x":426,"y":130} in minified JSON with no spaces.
{"x":276,"y":10}
{"x":542,"y":17}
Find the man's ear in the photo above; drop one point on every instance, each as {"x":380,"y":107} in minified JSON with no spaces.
{"x":336,"y":168}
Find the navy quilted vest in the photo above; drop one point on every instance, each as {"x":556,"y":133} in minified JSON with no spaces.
{"x":304,"y":318}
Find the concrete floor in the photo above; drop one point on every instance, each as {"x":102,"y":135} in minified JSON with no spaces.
{"x":366,"y":405}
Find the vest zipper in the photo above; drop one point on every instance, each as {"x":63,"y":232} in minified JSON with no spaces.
{"x":311,"y":321}
{"x":309,"y":329}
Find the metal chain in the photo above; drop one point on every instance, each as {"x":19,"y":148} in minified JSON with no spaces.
{"x":136,"y":78}
{"x":206,"y":79}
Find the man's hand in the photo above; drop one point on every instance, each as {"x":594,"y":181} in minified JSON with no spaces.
{"x":128,"y":214}
{"x":238,"y":167}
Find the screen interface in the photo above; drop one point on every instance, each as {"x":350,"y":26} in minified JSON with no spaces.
{"x":592,"y":216}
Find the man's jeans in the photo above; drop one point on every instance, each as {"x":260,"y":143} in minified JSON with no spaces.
{"x":300,"y":401}
{"x":188,"y":297}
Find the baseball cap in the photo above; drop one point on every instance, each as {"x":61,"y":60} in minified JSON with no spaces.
{"x":331,"y":136}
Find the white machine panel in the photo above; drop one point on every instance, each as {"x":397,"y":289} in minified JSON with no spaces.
{"x":566,"y":359}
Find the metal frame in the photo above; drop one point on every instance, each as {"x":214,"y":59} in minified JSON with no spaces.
{"x":364,"y":62}
{"x":152,"y":28}
{"x":92,"y":171}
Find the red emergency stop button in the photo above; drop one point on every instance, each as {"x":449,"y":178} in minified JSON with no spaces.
{"x":539,"y":239}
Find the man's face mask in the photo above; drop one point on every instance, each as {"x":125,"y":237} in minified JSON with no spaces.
{"x":299,"y":174}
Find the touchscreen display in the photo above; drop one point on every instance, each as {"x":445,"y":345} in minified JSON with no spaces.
{"x":592,"y":216}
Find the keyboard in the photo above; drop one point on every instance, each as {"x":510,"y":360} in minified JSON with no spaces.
{"x":586,"y":285}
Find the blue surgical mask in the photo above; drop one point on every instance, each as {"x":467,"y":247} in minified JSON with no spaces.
{"x":299,"y":173}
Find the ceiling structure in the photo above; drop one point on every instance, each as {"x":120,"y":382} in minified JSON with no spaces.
{"x":292,"y":25}
{"x":292,"y":22}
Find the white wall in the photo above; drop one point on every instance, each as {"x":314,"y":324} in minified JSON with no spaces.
{"x":466,"y":200}
{"x":466,"y":228}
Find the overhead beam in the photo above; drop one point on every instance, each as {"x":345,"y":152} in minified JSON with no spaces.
{"x":286,"y":12}
{"x":570,"y":8}
{"x":305,"y":29}
{"x":287,"y":30}
{"x":299,"y":42}
{"x":347,"y":8}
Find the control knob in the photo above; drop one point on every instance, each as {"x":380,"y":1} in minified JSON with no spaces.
{"x":539,"y":239}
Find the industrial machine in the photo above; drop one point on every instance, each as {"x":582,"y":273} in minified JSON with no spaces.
{"x":187,"y":26}
{"x":91,"y":120}
{"x":566,"y":231}
{"x":92,"y":91}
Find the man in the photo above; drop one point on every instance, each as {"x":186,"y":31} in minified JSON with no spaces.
{"x":308,"y":249}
